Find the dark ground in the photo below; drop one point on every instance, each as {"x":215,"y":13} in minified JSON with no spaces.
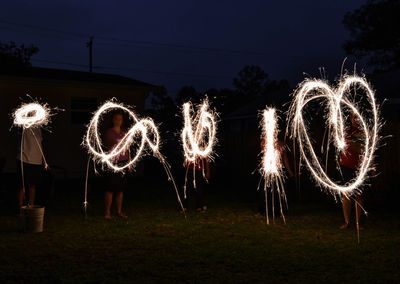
{"x":225,"y":244}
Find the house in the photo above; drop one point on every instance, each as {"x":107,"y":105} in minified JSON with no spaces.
{"x":78,"y":94}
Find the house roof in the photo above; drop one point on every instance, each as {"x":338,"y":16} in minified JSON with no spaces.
{"x":72,"y":75}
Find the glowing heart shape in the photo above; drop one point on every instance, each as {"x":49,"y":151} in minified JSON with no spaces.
{"x":337,"y":98}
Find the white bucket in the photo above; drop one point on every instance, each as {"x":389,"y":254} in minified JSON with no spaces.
{"x":32,"y":219}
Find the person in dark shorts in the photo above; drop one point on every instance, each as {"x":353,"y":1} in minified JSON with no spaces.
{"x":30,"y":158}
{"x":349,"y":161}
{"x":116,"y":183}
{"x":195,"y":170}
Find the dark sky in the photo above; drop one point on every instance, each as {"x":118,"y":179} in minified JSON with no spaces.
{"x":286,"y":38}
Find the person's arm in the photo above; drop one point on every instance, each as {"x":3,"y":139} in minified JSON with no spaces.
{"x":39,"y":137}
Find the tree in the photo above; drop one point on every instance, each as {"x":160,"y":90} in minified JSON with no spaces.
{"x":187,"y":93}
{"x":163,"y":109}
{"x":251,"y":81}
{"x":375,"y":33}
{"x":16,"y":57}
{"x":160,"y":100}
{"x":221,"y":99}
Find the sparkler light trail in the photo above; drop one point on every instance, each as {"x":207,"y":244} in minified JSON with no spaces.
{"x":271,"y":165}
{"x":198,"y":135}
{"x":28,"y":116}
{"x":32,"y":114}
{"x":143,"y":134}
{"x":338,"y":100}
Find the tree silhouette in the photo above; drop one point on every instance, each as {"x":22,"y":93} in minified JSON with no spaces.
{"x":163,"y":109}
{"x":160,"y":100}
{"x":16,"y":57}
{"x":251,"y":81}
{"x":375,"y":33}
{"x":188,"y":93}
{"x":222,"y":99}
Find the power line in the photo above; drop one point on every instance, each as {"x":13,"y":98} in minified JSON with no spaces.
{"x":164,"y":72}
{"x":42,"y":35}
{"x":134,"y":69}
{"x":182,"y":46}
{"x":56,"y":62}
{"x":136,"y":42}
{"x":45,"y":29}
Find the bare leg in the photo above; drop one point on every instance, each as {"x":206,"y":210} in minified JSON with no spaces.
{"x":32,"y":194}
{"x":20,"y":198}
{"x":360,"y":204}
{"x":119,"y":196}
{"x":108,"y":196}
{"x":346,"y":205}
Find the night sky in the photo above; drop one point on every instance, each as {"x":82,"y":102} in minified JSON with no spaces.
{"x":175,"y":43}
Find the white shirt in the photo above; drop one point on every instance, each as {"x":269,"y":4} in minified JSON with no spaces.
{"x":32,"y":146}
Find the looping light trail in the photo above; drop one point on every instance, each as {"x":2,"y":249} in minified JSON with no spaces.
{"x":198,"y":135}
{"x":144,"y":134}
{"x":28,"y":116}
{"x":32,"y":114}
{"x":143,"y":128}
{"x":336,"y":99}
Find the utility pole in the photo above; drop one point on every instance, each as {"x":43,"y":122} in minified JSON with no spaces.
{"x":90,"y":46}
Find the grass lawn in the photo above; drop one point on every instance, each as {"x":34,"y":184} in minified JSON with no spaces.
{"x":225,"y":244}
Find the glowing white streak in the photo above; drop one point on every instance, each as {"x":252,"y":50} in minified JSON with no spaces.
{"x":143,"y":128}
{"x":198,"y":143}
{"x":336,"y":98}
{"x":271,"y":166}
{"x":28,"y":116}
{"x":32,"y":114}
{"x":271,"y":160}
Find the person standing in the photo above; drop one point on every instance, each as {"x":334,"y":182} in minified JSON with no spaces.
{"x":116,"y":183}
{"x":30,"y":163}
{"x":196,"y":169}
{"x":349,"y":161}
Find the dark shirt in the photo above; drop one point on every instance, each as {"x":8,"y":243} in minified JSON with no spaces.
{"x":112,"y":139}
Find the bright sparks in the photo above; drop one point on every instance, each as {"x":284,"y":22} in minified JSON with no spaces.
{"x":30,"y":115}
{"x":271,"y":166}
{"x":337,"y":100}
{"x":271,"y":160}
{"x":198,"y":134}
{"x":143,"y":134}
{"x":143,"y":128}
